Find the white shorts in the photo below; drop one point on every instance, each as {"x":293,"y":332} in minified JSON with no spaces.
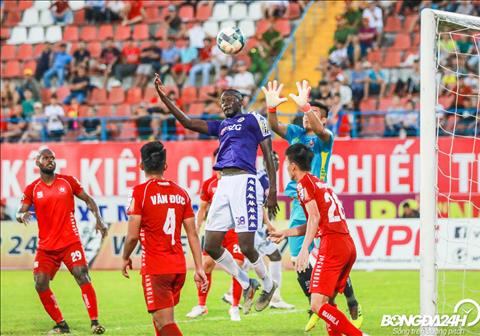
{"x":236,"y":204}
{"x":263,"y":245}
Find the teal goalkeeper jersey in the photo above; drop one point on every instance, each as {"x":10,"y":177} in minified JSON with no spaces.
{"x":321,"y":158}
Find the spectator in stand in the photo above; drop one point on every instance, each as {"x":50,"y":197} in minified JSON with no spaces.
{"x":170,"y":56}
{"x":9,"y":96}
{"x":243,"y":81}
{"x":358,"y":80}
{"x":115,"y":10}
{"x":109,"y":58}
{"x":143,"y":122}
{"x":129,"y":61}
{"x":224,"y":80}
{"x":150,"y":58}
{"x":61,"y":12}
{"x":72,"y":111}
{"x":259,"y":65}
{"x":394,"y":117}
{"x":464,"y":44}
{"x":29,"y":83}
{"x":55,"y":114}
{"x":219,"y":58}
{"x":274,"y":9}
{"x":272,"y":40}
{"x":469,"y":115}
{"x":375,"y":18}
{"x":197,"y":35}
{"x":44,"y":61}
{"x":412,"y":84}
{"x":188,"y":54}
{"x":343,"y":31}
{"x":212,"y":107}
{"x":34,"y":130}
{"x":82,"y":56}
{"x":173,"y":21}
{"x":408,"y":212}
{"x":447,"y":46}
{"x":339,"y":55}
{"x":79,"y":86}
{"x":4,"y":216}
{"x":133,"y":12}
{"x":95,"y":11}
{"x":344,"y":92}
{"x":204,"y":64}
{"x":15,"y":127}
{"x":91,"y":126}
{"x":354,"y":49}
{"x":27,"y":104}
{"x":322,"y":93}
{"x":367,"y":36}
{"x":61,"y":59}
{"x":352,"y":14}
{"x":410,"y":121}
{"x":376,"y":81}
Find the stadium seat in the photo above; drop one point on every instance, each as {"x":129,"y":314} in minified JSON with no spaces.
{"x":40,"y":5}
{"x":82,"y":111}
{"x":10,"y":5}
{"x":149,"y":94}
{"x":186,"y":12}
{"x":8,"y":52}
{"x":36,"y":35}
{"x":79,"y":17}
{"x":220,"y":12}
{"x":53,"y":34}
{"x":76,"y":5}
{"x":45,"y":94}
{"x":255,"y":11}
{"x":205,"y":91}
{"x":196,"y":109}
{"x":211,"y":28}
{"x":393,"y":24}
{"x":409,"y":20}
{"x":11,"y":69}
{"x":238,"y":11}
{"x":416,"y":39}
{"x":90,"y":33}
{"x":204,"y":11}
{"x":18,"y":36}
{"x":189,"y":94}
{"x":104,"y":111}
{"x":373,"y":126}
{"x":294,"y":11}
{"x":95,"y":49}
{"x":402,"y":41}
{"x":4,"y":33}
{"x":25,"y":52}
{"x":123,"y":110}
{"x":123,"y":33}
{"x":98,"y":96}
{"x":247,"y":27}
{"x":374,"y":56}
{"x":46,"y":18}
{"x":172,"y":88}
{"x":226,"y":24}
{"x":385,"y":103}
{"x":116,"y":96}
{"x":283,"y":26}
{"x":262,"y":26}
{"x":161,"y":33}
{"x":13,"y":18}
{"x":134,"y":96}
{"x":24,"y":4}
{"x":251,"y":43}
{"x":70,"y":34}
{"x":446,"y":100}
{"x":128,"y":131}
{"x":392,"y":59}
{"x":37,"y":50}
{"x":105,"y":31}
{"x":140,"y":32}
{"x":367,"y":105}
{"x":62,"y":92}
{"x":32,"y":64}
{"x":30,"y":18}
{"x":152,"y":15}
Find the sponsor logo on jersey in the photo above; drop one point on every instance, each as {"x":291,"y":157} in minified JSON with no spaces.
{"x":234,"y":127}
{"x":39,"y":194}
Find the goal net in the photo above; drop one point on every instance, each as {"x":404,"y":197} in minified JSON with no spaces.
{"x":450,"y":168}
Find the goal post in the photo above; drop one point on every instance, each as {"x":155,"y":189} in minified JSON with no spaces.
{"x":434,"y":23}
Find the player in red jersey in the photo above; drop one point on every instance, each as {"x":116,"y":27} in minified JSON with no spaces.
{"x":52,"y":196}
{"x":336,"y":255}
{"x":230,"y":242}
{"x":157,"y":211}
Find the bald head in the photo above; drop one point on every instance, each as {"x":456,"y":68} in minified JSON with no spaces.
{"x":45,"y":161}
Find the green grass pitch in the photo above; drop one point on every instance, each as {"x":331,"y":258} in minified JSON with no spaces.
{"x":122,"y":307}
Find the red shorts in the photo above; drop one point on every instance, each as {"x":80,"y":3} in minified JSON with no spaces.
{"x":162,"y":290}
{"x":181,"y":67}
{"x":230,"y":242}
{"x":49,"y":261}
{"x":336,"y":257}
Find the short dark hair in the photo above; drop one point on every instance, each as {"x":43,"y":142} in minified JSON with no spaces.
{"x":323,"y":108}
{"x":154,"y":156}
{"x":234,"y":92}
{"x":300,"y":155}
{"x":406,"y":205}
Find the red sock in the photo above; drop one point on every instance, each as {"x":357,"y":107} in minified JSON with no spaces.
{"x":337,"y":320}
{"x":157,"y":332}
{"x":90,"y":300}
{"x":332,"y":332}
{"x":170,"y":329}
{"x":50,"y":304}
{"x":236,"y":292}
{"x":202,"y":296}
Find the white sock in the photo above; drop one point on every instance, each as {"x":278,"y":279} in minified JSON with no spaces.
{"x":246,"y":265}
{"x":230,"y":265}
{"x":261,"y":270}
{"x":276,"y":274}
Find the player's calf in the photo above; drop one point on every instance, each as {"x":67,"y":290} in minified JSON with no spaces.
{"x":89,"y":297}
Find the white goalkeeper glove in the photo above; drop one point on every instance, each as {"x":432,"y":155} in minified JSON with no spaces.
{"x":303,"y":95}
{"x":272,"y":94}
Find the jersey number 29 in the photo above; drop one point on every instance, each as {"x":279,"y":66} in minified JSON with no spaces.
{"x":169,"y":226}
{"x":332,"y":198}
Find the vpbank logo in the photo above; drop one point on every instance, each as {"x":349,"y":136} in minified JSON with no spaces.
{"x":466,"y":313}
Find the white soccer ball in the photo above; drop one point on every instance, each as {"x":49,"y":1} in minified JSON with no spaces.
{"x":230,"y":40}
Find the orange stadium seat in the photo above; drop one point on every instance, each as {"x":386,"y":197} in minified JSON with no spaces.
{"x":151,"y":3}
{"x":98,"y":96}
{"x":79,"y":17}
{"x":152,"y":15}
{"x":262,"y":26}
{"x":11,"y":69}
{"x":186,"y":12}
{"x":294,"y":11}
{"x":70,"y":34}
{"x":10,"y":5}
{"x":161,"y":33}
{"x":283,"y":26}
{"x":89,"y":33}
{"x":393,"y":24}
{"x":123,"y":110}
{"x":134,"y":95}
{"x":45,"y":95}
{"x":140,"y":32}
{"x":402,"y":41}
{"x":392,"y":59}
{"x":204,"y":91}
{"x":62,"y":92}
{"x":25,"y":52}
{"x":409,"y":22}
{"x":204,"y":11}
{"x":189,"y":94}
{"x":4,"y":33}
{"x":123,"y":33}
{"x":105,"y":31}
{"x":13,"y":18}
{"x":116,"y":96}
{"x":128,"y":131}
{"x":373,"y":125}
{"x":8,"y":52}
{"x":385,"y":103}
{"x":32,"y":64}
{"x":150,"y":93}
{"x":369,"y":104}
{"x":196,"y":109}
{"x":374,"y":56}
{"x":104,"y":111}
{"x":24,"y":4}
{"x":416,"y":39}
{"x":37,"y":49}
{"x":95,"y":49}
{"x":82,"y":111}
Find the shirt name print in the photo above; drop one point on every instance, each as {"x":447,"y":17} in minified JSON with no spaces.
{"x":171,"y":199}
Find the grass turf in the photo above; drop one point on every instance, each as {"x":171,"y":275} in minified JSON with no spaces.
{"x":122,"y":307}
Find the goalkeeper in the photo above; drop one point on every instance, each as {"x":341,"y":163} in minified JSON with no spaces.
{"x":319,"y":140}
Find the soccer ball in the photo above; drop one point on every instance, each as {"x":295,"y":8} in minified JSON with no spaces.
{"x":230,"y":40}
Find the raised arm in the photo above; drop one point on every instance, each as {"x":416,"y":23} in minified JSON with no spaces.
{"x":272,"y":99}
{"x":317,"y":126}
{"x":93,"y":207}
{"x":196,"y":125}
{"x":267,"y":150}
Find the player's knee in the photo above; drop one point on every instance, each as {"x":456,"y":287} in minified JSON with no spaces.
{"x":81,"y":275}
{"x":249,"y":251}
{"x":213,"y":250}
{"x":41,"y":283}
{"x":161,"y":320}
{"x":275,"y":256}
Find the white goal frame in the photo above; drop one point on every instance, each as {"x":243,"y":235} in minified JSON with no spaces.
{"x":428,"y":152}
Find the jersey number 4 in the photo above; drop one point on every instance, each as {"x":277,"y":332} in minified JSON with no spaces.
{"x":332,"y":198}
{"x":169,"y":226}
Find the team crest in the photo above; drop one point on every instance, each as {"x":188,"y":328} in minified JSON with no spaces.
{"x":61,"y":189}
{"x":39,"y":194}
{"x":241,"y":119}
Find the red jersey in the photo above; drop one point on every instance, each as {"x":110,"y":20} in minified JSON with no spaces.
{"x":131,"y":54}
{"x":55,"y":208}
{"x":208,"y":189}
{"x":163,"y":206}
{"x":332,"y":215}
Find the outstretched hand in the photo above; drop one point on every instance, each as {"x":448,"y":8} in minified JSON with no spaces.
{"x":303,"y":94}
{"x":272,"y":94}
{"x":161,"y":90}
